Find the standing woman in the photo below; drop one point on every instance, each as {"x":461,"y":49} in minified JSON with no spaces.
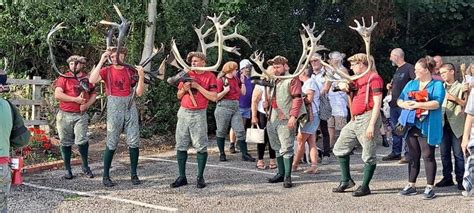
{"x":227,"y":113}
{"x":259,"y":108}
{"x":427,"y":130}
{"x":307,"y":132}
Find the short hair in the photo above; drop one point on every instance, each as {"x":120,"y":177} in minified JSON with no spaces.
{"x":195,"y":54}
{"x":78,"y":58}
{"x":428,"y":63}
{"x":123,"y":50}
{"x":399,"y":52}
{"x":277,"y":60}
{"x":359,"y":57}
{"x":308,"y":72}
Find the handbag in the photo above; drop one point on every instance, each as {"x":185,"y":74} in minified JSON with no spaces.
{"x":400,"y":129}
{"x":325,"y":110}
{"x":255,"y":135}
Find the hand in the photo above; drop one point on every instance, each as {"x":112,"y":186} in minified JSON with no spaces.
{"x":465,"y":142}
{"x":450,"y":97}
{"x":369,"y":133}
{"x":324,"y":92}
{"x":186,"y":86}
{"x":410,"y":105}
{"x":105,"y":55}
{"x":265,"y":104}
{"x":343,"y":86}
{"x":84,"y":107}
{"x":465,"y":87}
{"x":195,"y":85}
{"x":140,"y":70}
{"x":292,"y":122}
{"x":226,"y":88}
{"x":242,"y":78}
{"x":389,"y":86}
{"x":254,"y":120}
{"x":79,"y":99}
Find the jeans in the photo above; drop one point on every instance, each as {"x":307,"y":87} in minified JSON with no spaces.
{"x":450,"y":141}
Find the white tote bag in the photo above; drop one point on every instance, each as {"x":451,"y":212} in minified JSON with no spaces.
{"x":255,"y":135}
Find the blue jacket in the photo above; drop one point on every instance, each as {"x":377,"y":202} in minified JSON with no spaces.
{"x":431,"y":126}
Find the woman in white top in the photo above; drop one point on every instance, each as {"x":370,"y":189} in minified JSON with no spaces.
{"x":259,"y":109}
{"x":307,"y":133}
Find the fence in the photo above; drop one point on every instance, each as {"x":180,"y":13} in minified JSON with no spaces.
{"x":36,"y":101}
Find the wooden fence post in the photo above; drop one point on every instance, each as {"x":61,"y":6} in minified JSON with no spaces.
{"x":36,"y":95}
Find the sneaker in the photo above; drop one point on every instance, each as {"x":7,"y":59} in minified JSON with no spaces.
{"x":68,"y":175}
{"x":135,"y":180}
{"x":325,"y":160}
{"x":343,"y":186}
{"x":403,"y":160}
{"x":200,"y":183}
{"x":222,"y":157}
{"x":108,"y":182}
{"x":232,"y":148}
{"x":392,"y":157}
{"x":87,"y":172}
{"x":361,"y":191}
{"x":408,"y":191}
{"x":180,"y":181}
{"x":429,"y":193}
{"x":276,"y":179}
{"x":445,"y":182}
{"x":287,"y":182}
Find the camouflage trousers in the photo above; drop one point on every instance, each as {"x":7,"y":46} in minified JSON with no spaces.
{"x":72,"y":128}
{"x":5,"y":182}
{"x":191,"y":128}
{"x":227,"y":114}
{"x":122,"y":119}
{"x":281,"y":138}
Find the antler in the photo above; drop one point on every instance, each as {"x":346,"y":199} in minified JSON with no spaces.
{"x":218,"y":42}
{"x":258,"y":58}
{"x":5,"y":64}
{"x":122,"y":28}
{"x":310,"y":46}
{"x":54,"y":29}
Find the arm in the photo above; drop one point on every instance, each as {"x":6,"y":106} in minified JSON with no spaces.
{"x":256,"y":97}
{"x":297,"y":102}
{"x":212,"y":96}
{"x":141,"y":81}
{"x":243,"y":89}
{"x":183,"y":89}
{"x":326,"y":87}
{"x":467,"y":133}
{"x":95,"y":73}
{"x":89,"y":103}
{"x":220,"y":95}
{"x":61,"y":96}
{"x":309,"y":96}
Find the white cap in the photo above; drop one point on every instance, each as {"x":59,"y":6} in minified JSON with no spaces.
{"x":244,"y":63}
{"x":337,"y":55}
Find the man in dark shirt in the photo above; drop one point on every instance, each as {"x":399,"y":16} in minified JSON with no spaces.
{"x":404,"y":73}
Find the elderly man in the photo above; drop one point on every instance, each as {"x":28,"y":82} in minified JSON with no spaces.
{"x":364,"y":126}
{"x":287,"y":108}
{"x":436,"y":73}
{"x":404,"y":73}
{"x":72,"y":119}
{"x":192,"y":120}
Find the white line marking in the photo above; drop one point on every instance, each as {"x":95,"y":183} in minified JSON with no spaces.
{"x":138,"y":203}
{"x":215,"y":166}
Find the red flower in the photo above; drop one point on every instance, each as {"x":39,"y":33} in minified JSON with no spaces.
{"x":37,"y":131}
{"x":47,"y":146}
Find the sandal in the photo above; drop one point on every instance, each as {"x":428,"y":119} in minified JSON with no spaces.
{"x":261,"y":165}
{"x":312,"y":170}
{"x":295,"y":168}
{"x":272,"y":164}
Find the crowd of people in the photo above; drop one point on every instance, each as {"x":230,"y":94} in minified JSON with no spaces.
{"x":425,"y":108}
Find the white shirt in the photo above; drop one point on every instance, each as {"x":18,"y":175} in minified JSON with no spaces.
{"x":310,"y":84}
{"x":260,"y":103}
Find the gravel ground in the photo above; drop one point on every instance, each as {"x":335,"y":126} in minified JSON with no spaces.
{"x":233,"y":186}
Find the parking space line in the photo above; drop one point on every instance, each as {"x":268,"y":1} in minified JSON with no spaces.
{"x":215,"y":166}
{"x":86,"y":194}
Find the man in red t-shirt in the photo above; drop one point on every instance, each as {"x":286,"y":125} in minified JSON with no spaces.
{"x":364,"y":126}
{"x":122,"y":113}
{"x":192,"y":119}
{"x":72,"y":119}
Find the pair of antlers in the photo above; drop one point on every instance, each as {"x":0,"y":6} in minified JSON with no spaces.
{"x":219,"y":41}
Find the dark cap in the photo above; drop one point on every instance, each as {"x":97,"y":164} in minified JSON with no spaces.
{"x":195,"y":54}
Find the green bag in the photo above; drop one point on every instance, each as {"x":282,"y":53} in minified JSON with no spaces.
{"x":20,"y":136}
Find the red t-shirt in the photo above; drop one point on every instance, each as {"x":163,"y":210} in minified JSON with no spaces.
{"x":234,"y":84}
{"x":206,"y":80}
{"x":358,"y":101}
{"x":118,"y":82}
{"x":71,"y":87}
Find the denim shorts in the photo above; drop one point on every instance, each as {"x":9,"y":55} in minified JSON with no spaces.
{"x":245,"y":112}
{"x":310,"y":127}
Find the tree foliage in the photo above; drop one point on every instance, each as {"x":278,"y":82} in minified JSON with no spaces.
{"x":422,"y":27}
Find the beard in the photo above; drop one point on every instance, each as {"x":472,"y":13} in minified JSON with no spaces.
{"x":393,"y":64}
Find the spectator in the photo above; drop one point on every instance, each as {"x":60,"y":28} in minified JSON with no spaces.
{"x":468,"y":147}
{"x":422,"y":99}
